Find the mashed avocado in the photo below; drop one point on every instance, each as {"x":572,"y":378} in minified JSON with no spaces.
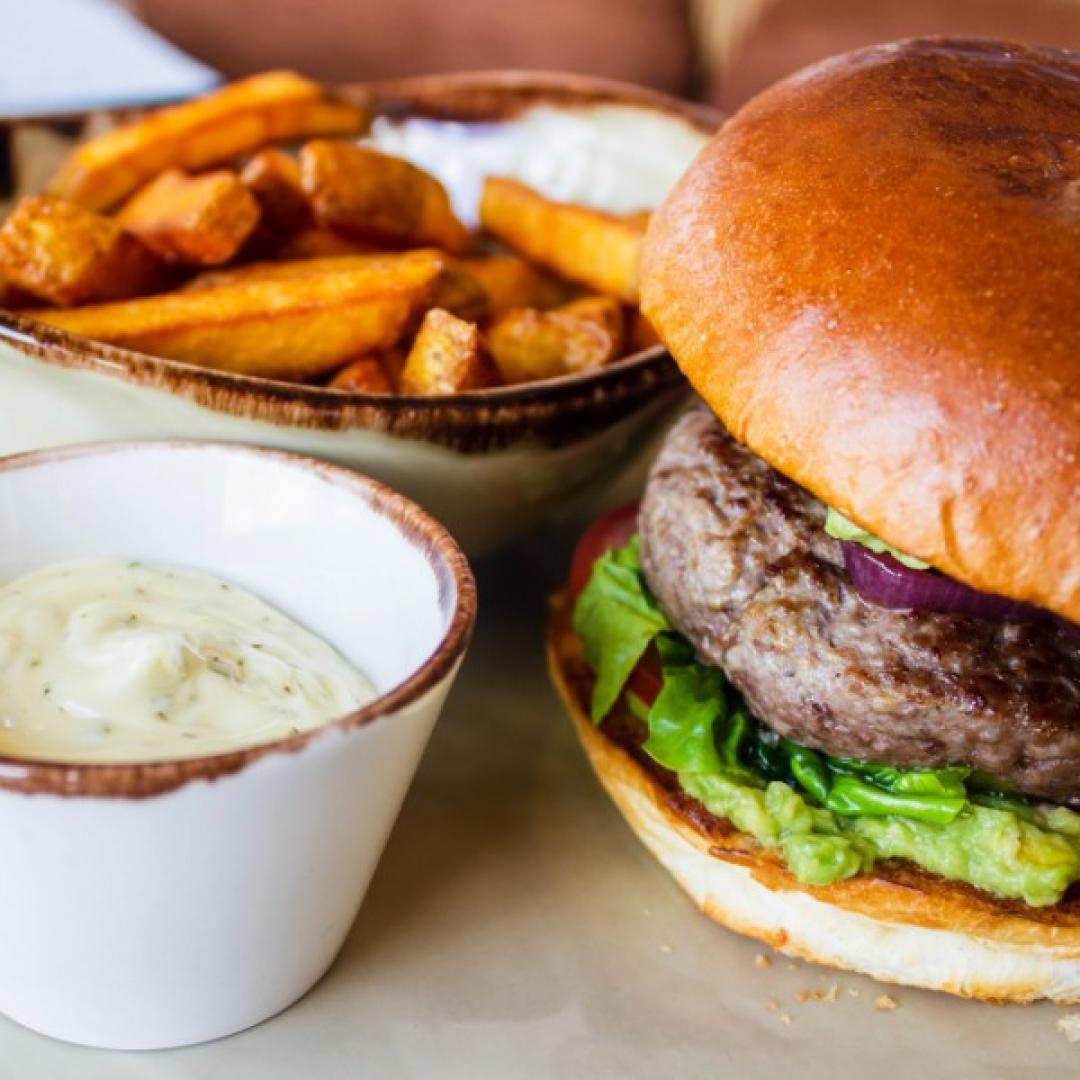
{"x":990,"y":848}
{"x":829,"y":818}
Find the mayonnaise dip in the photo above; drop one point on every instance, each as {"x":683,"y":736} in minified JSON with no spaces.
{"x":108,"y":660}
{"x":619,"y":158}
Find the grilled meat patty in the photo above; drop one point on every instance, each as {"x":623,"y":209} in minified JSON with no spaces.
{"x":739,"y":560}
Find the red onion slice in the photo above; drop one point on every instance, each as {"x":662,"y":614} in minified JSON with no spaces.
{"x":883,"y":580}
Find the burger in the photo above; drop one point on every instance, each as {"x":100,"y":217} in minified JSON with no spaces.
{"x":829,"y":668}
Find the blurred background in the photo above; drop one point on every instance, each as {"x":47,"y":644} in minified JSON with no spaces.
{"x":720,"y":51}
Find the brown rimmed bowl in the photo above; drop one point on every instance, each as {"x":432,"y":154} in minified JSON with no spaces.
{"x":490,"y":463}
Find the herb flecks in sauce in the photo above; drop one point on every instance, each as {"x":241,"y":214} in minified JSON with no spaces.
{"x":112,"y":660}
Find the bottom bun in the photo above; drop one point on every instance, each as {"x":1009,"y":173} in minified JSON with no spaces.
{"x":897,"y":924}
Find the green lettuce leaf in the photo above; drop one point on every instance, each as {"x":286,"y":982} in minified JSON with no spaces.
{"x":849,"y":796}
{"x":948,"y":781}
{"x":809,"y":769}
{"x":843,"y":529}
{"x":684,"y":718}
{"x":617,"y":620}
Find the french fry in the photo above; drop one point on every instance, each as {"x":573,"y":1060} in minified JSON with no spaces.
{"x":12,"y":297}
{"x":194,"y":220}
{"x":445,"y":357}
{"x":65,"y":255}
{"x":367,"y":195}
{"x":272,"y":270}
{"x":460,"y":293}
{"x":510,"y":282}
{"x":606,"y":312}
{"x":365,"y":375}
{"x":468,"y":288}
{"x":393,"y":362}
{"x":598,"y":250}
{"x":287,"y":328}
{"x":272,"y":107}
{"x":455,"y":290}
{"x":527,"y":344}
{"x":640,"y":334}
{"x":341,"y":265}
{"x":273,"y":177}
{"x":318,"y":243}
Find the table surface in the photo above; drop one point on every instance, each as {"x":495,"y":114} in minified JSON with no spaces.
{"x":516,"y":928}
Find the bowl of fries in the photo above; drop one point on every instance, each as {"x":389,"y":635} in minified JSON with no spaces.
{"x":433,"y":280}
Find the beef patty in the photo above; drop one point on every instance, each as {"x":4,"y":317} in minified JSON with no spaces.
{"x":739,"y":560}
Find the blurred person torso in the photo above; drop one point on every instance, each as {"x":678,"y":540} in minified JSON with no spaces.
{"x":643,"y":41}
{"x":722,"y":51}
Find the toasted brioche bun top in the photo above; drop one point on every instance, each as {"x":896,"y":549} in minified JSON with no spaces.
{"x":872,"y":276}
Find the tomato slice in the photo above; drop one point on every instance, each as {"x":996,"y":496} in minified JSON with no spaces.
{"x":612,"y":531}
{"x":647,"y":678}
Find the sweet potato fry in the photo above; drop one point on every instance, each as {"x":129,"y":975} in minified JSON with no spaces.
{"x":598,"y":250}
{"x":64,"y":254}
{"x":510,"y":282}
{"x":367,"y":195}
{"x":273,"y":107}
{"x":286,"y":328}
{"x":193,"y":220}
{"x":527,"y":344}
{"x":273,"y":177}
{"x":365,"y":375}
{"x":445,"y":357}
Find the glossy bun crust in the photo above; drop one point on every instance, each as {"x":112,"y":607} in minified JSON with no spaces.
{"x":897,"y":924}
{"x":872,"y":276}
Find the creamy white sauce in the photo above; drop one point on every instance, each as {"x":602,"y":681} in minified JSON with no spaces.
{"x":107,"y":660}
{"x":619,"y":158}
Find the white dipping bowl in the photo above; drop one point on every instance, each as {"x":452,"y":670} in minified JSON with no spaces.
{"x":161,"y":904}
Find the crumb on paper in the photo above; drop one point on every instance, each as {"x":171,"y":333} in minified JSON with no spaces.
{"x":666,"y":949}
{"x":885,"y":1002}
{"x":852,"y":992}
{"x":772,"y":1005}
{"x":1069,"y":1026}
{"x":803,"y":996}
{"x":785,"y":1018}
{"x":762,"y":961}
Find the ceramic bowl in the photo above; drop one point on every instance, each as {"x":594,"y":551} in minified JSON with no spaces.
{"x":488,"y":464}
{"x":161,"y":904}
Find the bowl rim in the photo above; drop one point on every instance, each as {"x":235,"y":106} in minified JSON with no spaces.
{"x":53,"y":345}
{"x":415,"y":526}
{"x":467,"y":96}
